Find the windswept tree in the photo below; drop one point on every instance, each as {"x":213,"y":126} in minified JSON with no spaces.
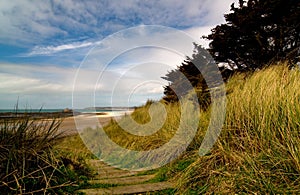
{"x":256,"y":33}
{"x":195,"y":73}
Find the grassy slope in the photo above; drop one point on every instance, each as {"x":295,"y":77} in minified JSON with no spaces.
{"x":257,"y":151}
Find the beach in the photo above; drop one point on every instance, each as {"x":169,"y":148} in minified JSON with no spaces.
{"x":69,"y":123}
{"x":72,"y":123}
{"x":75,"y":124}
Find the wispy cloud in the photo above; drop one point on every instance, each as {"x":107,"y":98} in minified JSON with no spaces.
{"x":36,"y":23}
{"x":51,"y":85}
{"x":49,"y":50}
{"x":195,"y":32}
{"x":57,"y":35}
{"x":16,"y":78}
{"x":36,"y":86}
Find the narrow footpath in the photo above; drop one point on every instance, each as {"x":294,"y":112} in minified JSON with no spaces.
{"x":110,"y":180}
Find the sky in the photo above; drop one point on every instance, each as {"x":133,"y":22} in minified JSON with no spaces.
{"x":76,"y":54}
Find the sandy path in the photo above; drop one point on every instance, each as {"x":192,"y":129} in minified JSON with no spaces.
{"x":127,"y":182}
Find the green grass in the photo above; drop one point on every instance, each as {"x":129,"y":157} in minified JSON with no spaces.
{"x":258,"y":150}
{"x":74,"y":155}
{"x":33,"y":161}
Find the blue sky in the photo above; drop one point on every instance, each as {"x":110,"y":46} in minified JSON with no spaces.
{"x":43,"y":43}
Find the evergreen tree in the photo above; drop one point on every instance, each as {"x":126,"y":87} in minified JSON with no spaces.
{"x":257,"y":33}
{"x":190,"y":75}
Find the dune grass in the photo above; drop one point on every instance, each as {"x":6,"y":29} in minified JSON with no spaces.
{"x":142,"y":117}
{"x":30,"y":162}
{"x":26,"y":158}
{"x":258,"y":150}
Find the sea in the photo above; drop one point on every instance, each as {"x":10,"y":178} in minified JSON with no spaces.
{"x":110,"y":112}
{"x":30,"y":110}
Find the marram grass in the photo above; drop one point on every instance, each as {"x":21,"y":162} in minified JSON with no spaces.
{"x":36,"y":157}
{"x":258,"y":151}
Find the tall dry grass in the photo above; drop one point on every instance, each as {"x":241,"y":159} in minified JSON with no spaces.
{"x":258,"y":151}
{"x":142,"y":117}
{"x":28,"y":163}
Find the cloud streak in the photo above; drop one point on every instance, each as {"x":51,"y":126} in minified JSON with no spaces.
{"x":29,"y":22}
{"x":49,"y":50}
{"x":56,"y":35}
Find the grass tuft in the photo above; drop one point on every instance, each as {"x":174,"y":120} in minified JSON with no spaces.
{"x":29,"y":162}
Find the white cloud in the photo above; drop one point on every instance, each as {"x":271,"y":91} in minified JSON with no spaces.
{"x":35,"y":86}
{"x":198,"y":32}
{"x":215,"y":10}
{"x":195,"y":32}
{"x":17,"y":78}
{"x":136,"y":59}
{"x":27,"y":22}
{"x":48,"y":50}
{"x":34,"y":22}
{"x":50,"y":85}
{"x":72,"y":27}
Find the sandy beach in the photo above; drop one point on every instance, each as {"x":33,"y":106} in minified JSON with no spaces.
{"x":69,"y":125}
{"x":74,"y":124}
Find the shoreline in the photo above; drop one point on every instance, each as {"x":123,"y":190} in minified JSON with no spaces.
{"x":35,"y":115}
{"x":62,"y":114}
{"x":69,"y":126}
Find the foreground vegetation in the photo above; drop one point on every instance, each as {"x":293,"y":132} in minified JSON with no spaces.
{"x":258,"y":149}
{"x":31,"y":162}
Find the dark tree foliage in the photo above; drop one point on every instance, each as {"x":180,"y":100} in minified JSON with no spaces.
{"x":257,"y":33}
{"x":189,"y":76}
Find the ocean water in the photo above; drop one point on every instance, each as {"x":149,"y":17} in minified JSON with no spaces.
{"x":114,"y":112}
{"x":84,"y":111}
{"x":30,"y":110}
{"x":98,"y":110}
